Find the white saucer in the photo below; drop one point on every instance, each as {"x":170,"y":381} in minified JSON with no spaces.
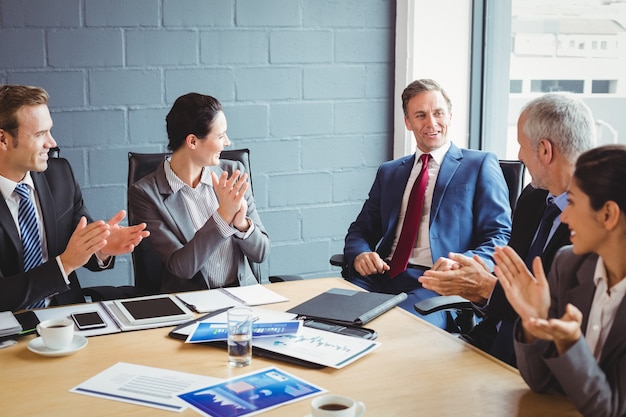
{"x":37,"y":346}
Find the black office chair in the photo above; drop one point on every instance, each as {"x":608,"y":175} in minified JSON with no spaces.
{"x":147,"y":265}
{"x":514,"y":172}
{"x":465,"y":320}
{"x":102,"y":292}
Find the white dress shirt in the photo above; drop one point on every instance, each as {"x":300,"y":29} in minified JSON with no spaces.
{"x":603,"y":309}
{"x":421,"y":251}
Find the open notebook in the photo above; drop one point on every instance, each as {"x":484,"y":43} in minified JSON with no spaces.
{"x":216,"y":299}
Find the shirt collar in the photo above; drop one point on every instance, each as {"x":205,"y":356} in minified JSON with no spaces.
{"x":600,"y":276}
{"x":560,"y":200}
{"x":176,"y":183}
{"x":437,"y":155}
{"x":7,"y":186}
{"x":600,"y":272}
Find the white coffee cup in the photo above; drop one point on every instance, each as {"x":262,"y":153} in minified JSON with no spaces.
{"x":336,"y":406}
{"x":56,"y":334}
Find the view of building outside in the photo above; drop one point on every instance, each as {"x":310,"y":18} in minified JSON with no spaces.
{"x":577,"y":46}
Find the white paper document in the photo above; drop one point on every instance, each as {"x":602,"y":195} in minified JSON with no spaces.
{"x":144,"y":385}
{"x":319,"y":346}
{"x":312,"y":345}
{"x":218,"y":298}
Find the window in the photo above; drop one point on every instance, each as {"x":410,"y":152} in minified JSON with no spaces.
{"x":556,"y":45}
{"x":603,"y":86}
{"x":496,"y":55}
{"x":433,"y":40}
{"x":550,"y":86}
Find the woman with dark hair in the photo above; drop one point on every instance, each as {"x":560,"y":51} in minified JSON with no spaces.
{"x":571,"y":336}
{"x":199,"y":209}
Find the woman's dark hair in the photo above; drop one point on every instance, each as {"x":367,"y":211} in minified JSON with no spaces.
{"x":192,"y":113}
{"x":600,"y":173}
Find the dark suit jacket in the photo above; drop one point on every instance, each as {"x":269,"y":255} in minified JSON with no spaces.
{"x":596,"y":388}
{"x":470,"y":210}
{"x":182,"y":250}
{"x":62,"y":206}
{"x":530,"y":207}
{"x":526,"y":219}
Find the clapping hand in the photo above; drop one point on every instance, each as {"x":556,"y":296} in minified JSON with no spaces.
{"x":564,"y":332}
{"x":472,"y":280}
{"x":230,"y":194}
{"x":529,"y":296}
{"x":122,"y":239}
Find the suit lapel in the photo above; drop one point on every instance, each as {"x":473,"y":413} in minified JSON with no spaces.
{"x":582,"y":295}
{"x":7,"y":223}
{"x":449,"y":165}
{"x":617,"y":336}
{"x":46,"y":203}
{"x":559,"y":239}
{"x":391,"y":195}
{"x":175,"y":205}
{"x":526,"y":219}
{"x":397,"y":187}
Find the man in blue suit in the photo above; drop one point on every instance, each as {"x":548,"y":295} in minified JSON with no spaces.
{"x":465,"y":206}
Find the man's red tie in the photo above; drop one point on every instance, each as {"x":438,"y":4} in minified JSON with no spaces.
{"x":411,"y":221}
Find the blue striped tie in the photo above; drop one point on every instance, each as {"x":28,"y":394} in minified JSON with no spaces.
{"x":29,"y":230}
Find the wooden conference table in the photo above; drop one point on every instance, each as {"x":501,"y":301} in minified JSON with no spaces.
{"x":418,"y":370}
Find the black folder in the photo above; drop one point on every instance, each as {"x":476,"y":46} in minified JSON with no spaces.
{"x":347,"y":306}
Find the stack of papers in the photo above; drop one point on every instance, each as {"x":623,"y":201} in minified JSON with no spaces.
{"x":9,"y":324}
{"x":175,"y":391}
{"x":307,"y":344}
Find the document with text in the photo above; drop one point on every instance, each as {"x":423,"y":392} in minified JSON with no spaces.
{"x":144,"y":385}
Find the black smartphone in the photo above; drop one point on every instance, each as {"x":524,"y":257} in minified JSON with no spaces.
{"x":88,"y":320}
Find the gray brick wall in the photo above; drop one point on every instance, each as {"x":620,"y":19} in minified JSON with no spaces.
{"x":307,"y":85}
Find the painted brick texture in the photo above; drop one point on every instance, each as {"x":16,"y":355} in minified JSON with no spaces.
{"x":307,"y":85}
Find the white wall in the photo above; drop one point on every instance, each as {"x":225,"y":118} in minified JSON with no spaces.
{"x":433,"y":40}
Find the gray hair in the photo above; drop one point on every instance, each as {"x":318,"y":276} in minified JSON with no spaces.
{"x":562,"y":118}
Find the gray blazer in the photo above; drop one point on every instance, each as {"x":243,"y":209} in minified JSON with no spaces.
{"x":183,"y":251}
{"x":597,"y":389}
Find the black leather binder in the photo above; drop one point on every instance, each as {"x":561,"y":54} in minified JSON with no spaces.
{"x":347,"y":306}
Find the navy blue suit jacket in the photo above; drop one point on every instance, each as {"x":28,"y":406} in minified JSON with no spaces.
{"x":470,"y":211}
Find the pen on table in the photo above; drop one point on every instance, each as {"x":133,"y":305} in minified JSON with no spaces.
{"x":252,"y":320}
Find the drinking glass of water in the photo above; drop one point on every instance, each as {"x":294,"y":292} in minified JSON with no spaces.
{"x":239,"y":336}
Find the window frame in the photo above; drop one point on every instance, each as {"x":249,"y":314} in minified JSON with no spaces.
{"x":483,"y":106}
